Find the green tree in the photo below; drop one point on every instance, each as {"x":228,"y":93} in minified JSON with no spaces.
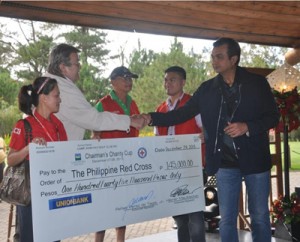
{"x":8,"y":117}
{"x":148,"y":91}
{"x":6,"y":48}
{"x":31,"y":49}
{"x":8,"y":102}
{"x":93,"y":87}
{"x":9,"y":89}
{"x":35,"y":55}
{"x":94,"y":57}
{"x":262,"y":56}
{"x":91,"y":43}
{"x":26,"y":59}
{"x":140,"y":59}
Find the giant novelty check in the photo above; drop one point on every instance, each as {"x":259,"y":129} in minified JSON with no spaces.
{"x":79,"y":187}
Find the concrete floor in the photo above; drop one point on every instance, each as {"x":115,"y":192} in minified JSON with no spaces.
{"x":170,"y":236}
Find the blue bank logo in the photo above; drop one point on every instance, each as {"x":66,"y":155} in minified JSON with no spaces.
{"x":70,"y":201}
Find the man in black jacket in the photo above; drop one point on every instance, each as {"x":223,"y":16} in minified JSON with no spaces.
{"x":237,"y":110}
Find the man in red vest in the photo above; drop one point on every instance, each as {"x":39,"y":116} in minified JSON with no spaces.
{"x":190,"y":227}
{"x":118,"y":101}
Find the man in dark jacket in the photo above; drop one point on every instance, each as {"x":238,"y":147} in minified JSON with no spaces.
{"x":237,"y":110}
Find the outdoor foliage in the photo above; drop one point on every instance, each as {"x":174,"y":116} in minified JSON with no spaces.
{"x":286,"y":209}
{"x":262,"y":56}
{"x":29,"y":50}
{"x":289,"y":108}
{"x":8,"y":117}
{"x":33,"y":55}
{"x":23,"y":57}
{"x":148,"y":90}
{"x":9,"y":89}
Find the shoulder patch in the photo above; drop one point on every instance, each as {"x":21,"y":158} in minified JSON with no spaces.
{"x":17,"y":131}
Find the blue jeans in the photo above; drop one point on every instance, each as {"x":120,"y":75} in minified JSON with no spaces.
{"x":190,"y":227}
{"x":229,"y":183}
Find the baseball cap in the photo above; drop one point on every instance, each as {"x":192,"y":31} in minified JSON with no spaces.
{"x":123,"y":72}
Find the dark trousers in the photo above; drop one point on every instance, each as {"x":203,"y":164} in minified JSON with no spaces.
{"x":25,"y":229}
{"x":2,"y":165}
{"x":24,"y":216}
{"x":190,"y":227}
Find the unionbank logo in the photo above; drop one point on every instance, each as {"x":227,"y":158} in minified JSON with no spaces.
{"x":142,"y":152}
{"x":77,"y":156}
{"x":70,"y":201}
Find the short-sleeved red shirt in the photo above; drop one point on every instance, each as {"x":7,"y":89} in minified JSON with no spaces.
{"x":54,"y":128}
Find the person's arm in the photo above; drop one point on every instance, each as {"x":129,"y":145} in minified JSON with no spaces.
{"x":15,"y":157}
{"x":97,"y":134}
{"x":77,"y":110}
{"x":180,"y":115}
{"x":268,"y":115}
{"x":80,"y":112}
{"x":268,"y":109}
{"x":19,"y":149}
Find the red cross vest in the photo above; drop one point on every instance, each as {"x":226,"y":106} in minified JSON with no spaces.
{"x":188,"y":127}
{"x":110,"y":105}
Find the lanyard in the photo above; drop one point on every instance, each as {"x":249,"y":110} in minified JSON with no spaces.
{"x":45,"y":130}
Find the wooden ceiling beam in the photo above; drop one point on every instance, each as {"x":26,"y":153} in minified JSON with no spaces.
{"x":244,"y":9}
{"x":122,"y":10}
{"x":252,"y":22}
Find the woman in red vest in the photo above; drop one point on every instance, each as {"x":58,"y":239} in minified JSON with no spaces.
{"x":39,"y":101}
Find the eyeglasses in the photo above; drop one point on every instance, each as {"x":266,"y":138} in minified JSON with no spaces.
{"x":78,"y":64}
{"x":75,"y":64}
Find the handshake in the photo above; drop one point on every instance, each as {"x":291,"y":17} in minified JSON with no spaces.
{"x":139,"y":121}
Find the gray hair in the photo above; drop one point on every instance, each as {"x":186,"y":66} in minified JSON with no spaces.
{"x":60,"y":54}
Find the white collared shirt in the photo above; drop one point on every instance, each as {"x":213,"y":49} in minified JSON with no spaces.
{"x":171,"y":129}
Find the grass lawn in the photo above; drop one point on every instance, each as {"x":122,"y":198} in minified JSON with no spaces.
{"x":294,"y":155}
